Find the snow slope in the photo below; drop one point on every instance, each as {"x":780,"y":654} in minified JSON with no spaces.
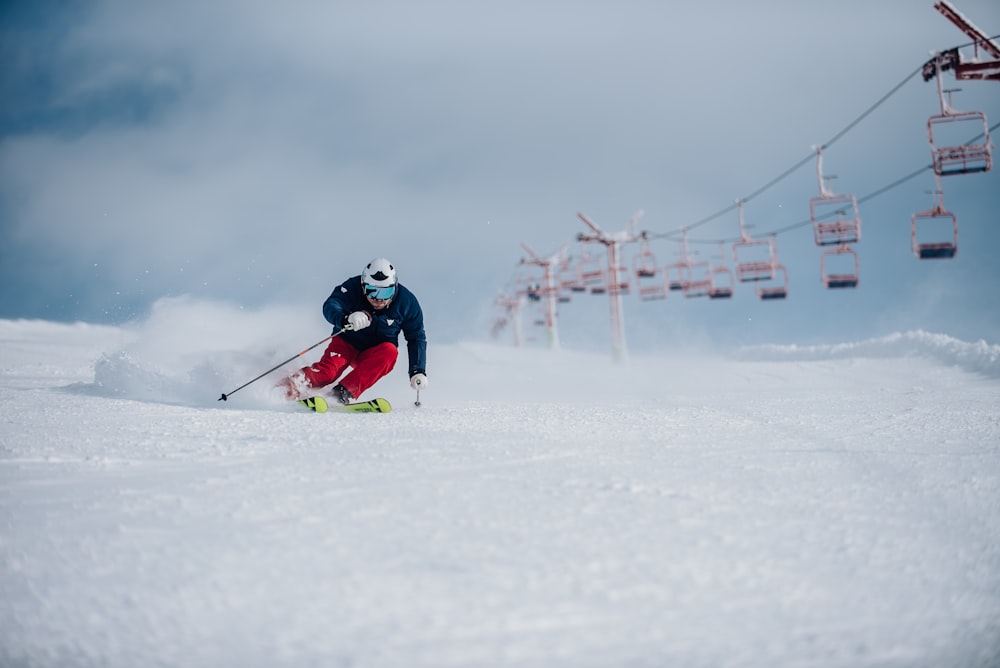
{"x":822,"y":506}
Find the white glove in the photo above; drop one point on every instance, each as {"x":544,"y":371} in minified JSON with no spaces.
{"x":418,"y":381}
{"x":359,"y":320}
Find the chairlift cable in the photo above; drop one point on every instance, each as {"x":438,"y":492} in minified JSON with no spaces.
{"x":850,"y":126}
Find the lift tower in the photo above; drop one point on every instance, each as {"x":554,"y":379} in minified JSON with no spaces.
{"x":549,"y":290}
{"x":616,"y":286}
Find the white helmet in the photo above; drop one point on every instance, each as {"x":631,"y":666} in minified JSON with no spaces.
{"x":379,"y":279}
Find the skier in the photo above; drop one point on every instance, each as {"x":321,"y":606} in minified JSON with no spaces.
{"x":375,"y":308}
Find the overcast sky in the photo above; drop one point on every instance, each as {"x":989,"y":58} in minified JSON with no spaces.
{"x":259,"y":153}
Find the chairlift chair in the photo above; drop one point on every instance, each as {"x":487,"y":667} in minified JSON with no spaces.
{"x":834,"y":279}
{"x":751,"y":264}
{"x":846,"y":228}
{"x":676,"y":276}
{"x":935,"y":250}
{"x":721,"y":283}
{"x":964,"y":158}
{"x":644,"y":263}
{"x":936,"y":217}
{"x":950,"y":159}
{"x":748,"y":270}
{"x":568,"y":279}
{"x":721,"y":277}
{"x":647,"y":276}
{"x":777,"y":287}
{"x":593,"y":276}
{"x":699,"y":280}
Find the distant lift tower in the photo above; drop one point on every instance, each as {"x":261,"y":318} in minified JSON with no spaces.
{"x":550,"y":290}
{"x":616,"y":286}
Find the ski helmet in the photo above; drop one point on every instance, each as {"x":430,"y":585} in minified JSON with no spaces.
{"x":379,"y":279}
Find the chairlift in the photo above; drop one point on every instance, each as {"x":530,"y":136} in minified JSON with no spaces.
{"x":699,"y":280}
{"x":846,"y":228}
{"x":936,"y":217}
{"x":834,"y":279}
{"x":675,"y":276}
{"x":568,"y":279}
{"x":721,"y":279}
{"x":678,"y":275}
{"x":644,"y":262}
{"x":721,"y":286}
{"x":947,"y":128}
{"x":777,"y":286}
{"x":647,"y":274}
{"x":754,"y":258}
{"x":593,"y":276}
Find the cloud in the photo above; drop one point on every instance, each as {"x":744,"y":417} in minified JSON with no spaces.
{"x":260,"y":153}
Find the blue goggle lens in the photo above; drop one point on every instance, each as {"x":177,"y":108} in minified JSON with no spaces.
{"x":375,"y":292}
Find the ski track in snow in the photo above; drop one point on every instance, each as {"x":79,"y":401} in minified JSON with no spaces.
{"x":785,"y":506}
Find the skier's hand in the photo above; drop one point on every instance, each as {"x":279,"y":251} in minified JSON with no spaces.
{"x":418,"y":381}
{"x":359,"y":320}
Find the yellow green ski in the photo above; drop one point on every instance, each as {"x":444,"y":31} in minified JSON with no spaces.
{"x":321,"y":405}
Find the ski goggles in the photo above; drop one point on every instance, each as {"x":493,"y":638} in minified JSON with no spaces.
{"x":375,"y":292}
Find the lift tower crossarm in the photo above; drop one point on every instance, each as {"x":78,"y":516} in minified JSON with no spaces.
{"x":965,"y":25}
{"x":982,"y":70}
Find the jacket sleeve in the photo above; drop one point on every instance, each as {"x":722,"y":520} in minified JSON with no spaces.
{"x":338,"y":305}
{"x":416,"y":338}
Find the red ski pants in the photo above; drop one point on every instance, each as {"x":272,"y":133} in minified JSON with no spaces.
{"x":367,"y":366}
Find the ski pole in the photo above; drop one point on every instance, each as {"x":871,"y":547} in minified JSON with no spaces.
{"x":225,"y":396}
{"x":417,"y":402}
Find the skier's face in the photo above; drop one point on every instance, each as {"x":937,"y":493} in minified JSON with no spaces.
{"x":378,"y":304}
{"x":379,"y":297}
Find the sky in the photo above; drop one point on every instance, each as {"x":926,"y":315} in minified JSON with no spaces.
{"x":258,"y":155}
{"x":824,"y":506}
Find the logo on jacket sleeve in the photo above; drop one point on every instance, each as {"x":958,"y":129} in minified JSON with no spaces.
{"x":390,"y":321}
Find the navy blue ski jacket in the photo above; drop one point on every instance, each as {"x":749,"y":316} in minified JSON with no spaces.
{"x":403,"y":314}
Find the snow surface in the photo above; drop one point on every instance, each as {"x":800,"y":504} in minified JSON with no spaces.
{"x":783,"y":506}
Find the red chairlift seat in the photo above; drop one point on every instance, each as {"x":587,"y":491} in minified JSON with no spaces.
{"x":644,"y":264}
{"x":963,"y":158}
{"x":754,"y":259}
{"x":699,"y":280}
{"x":844,"y":229}
{"x":943,"y":246}
{"x":568,"y":279}
{"x":721,"y":283}
{"x":720,"y":277}
{"x":593,"y":276}
{"x":750,"y":268}
{"x":647,"y":276}
{"x":934,"y":250}
{"x":777,"y":288}
{"x":834,"y":279}
{"x":949,"y":156}
{"x":676,"y":275}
